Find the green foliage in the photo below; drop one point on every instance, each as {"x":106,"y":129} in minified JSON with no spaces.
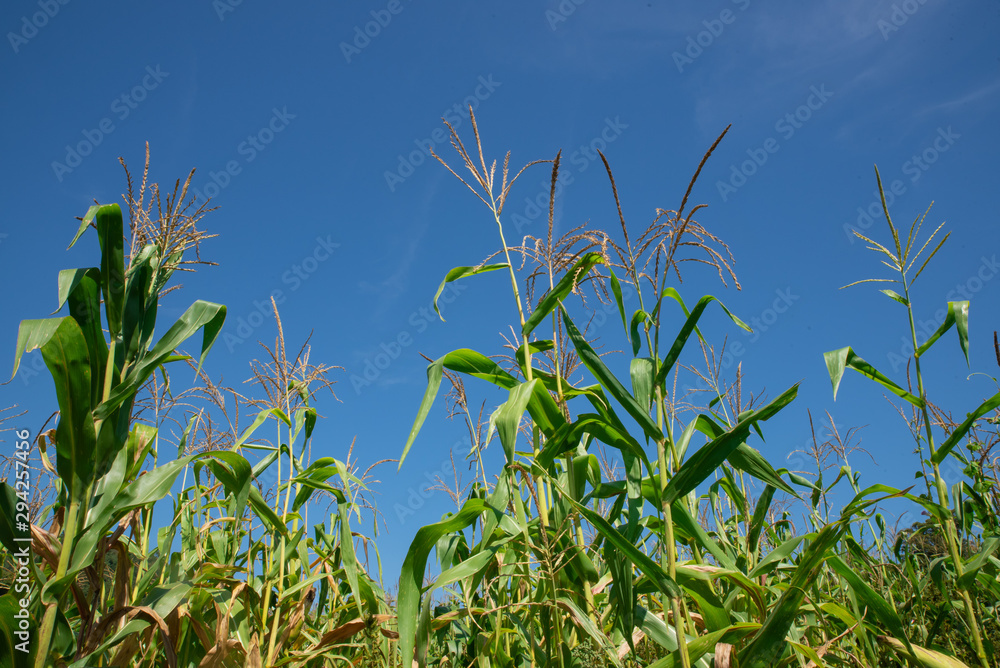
{"x":622,"y":529}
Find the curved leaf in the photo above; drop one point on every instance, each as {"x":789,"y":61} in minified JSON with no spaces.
{"x":839,"y":360}
{"x":958,"y":315}
{"x":462,"y":272}
{"x":565,"y":285}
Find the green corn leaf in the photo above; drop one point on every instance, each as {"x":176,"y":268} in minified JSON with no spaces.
{"x":350,"y":559}
{"x":265,"y":513}
{"x":958,"y":315}
{"x":434,"y":373}
{"x":689,"y":326}
{"x":960,"y":432}
{"x":638,"y":318}
{"x":685,"y":523}
{"x":641,"y":371}
{"x":705,"y":644}
{"x":839,"y":360}
{"x":85,"y":222}
{"x":66,"y":356}
{"x":656,"y":630}
{"x":110,"y":232}
{"x":471,"y":567}
{"x":877,"y":606}
{"x":236,"y":475}
{"x":596,"y":366}
{"x":8,"y":521}
{"x":508,"y":417}
{"x":768,"y":644}
{"x":415,"y":563}
{"x":33,"y":334}
{"x":895,"y":296}
{"x":541,"y":406}
{"x":14,"y":652}
{"x":744,"y":457}
{"x":708,"y":458}
{"x":258,"y":421}
{"x":461,"y":272}
{"x":759,"y":518}
{"x":565,"y":285}
{"x":640,"y":559}
{"x":977,"y":562}
{"x":616,"y":289}
{"x":927,"y":658}
{"x":82,"y":288}
{"x":200,"y":315}
{"x":69,"y":279}
{"x":583,"y":621}
{"x":138,"y":315}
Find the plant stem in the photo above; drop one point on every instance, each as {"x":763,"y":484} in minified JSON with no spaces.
{"x":942,"y":491}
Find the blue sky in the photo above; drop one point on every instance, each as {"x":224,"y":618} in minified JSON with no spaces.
{"x":306,"y":121}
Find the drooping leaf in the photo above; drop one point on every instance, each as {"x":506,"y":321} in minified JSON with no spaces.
{"x":200,"y":315}
{"x":844,"y":358}
{"x":689,"y":326}
{"x":958,"y":315}
{"x":461,"y":272}
{"x":414,"y":564}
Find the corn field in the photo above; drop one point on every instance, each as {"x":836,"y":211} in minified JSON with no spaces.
{"x":629,"y":525}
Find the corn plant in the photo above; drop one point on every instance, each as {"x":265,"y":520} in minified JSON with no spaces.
{"x":902,"y":256}
{"x":99,"y":454}
{"x":531,"y":585}
{"x":233,"y":578}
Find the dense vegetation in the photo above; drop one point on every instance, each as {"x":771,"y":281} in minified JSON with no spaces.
{"x":627,"y":527}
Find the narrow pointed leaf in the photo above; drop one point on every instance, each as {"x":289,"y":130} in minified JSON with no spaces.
{"x":565,"y":285}
{"x":415,"y":563}
{"x":689,"y":326}
{"x":596,"y":366}
{"x":895,"y":296}
{"x":200,"y":315}
{"x":461,"y":272}
{"x":960,"y":432}
{"x":958,"y":315}
{"x":110,"y":232}
{"x":707,"y":459}
{"x":839,"y":360}
{"x":85,"y":222}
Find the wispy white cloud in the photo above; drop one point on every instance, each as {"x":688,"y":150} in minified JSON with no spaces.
{"x":978,"y":95}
